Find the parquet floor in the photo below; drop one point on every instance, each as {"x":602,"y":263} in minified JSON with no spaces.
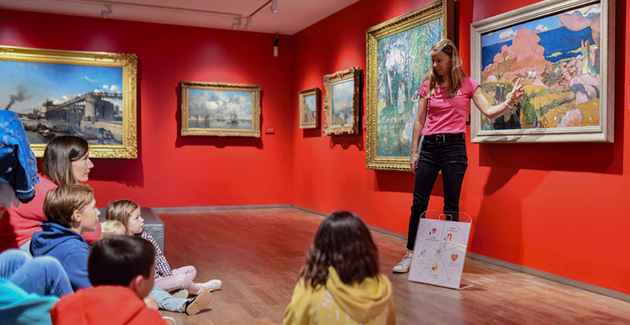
{"x":257,"y":253}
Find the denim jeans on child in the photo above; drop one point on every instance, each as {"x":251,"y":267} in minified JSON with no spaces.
{"x":438,"y":153}
{"x":43,"y":275}
{"x":166,"y":301}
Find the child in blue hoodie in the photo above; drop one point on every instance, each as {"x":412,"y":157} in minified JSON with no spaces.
{"x":71,"y":211}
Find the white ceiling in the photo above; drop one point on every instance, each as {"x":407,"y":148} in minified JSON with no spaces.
{"x":292,"y":15}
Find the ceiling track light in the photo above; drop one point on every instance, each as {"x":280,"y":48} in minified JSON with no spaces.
{"x":106,"y":13}
{"x":236,"y":25}
{"x":274,"y":6}
{"x":248,"y":25}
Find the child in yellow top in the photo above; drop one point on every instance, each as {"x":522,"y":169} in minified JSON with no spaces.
{"x":341,"y":282}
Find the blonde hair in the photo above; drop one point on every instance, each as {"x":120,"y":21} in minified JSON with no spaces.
{"x":456,"y":72}
{"x":112,"y":228}
{"x":61,"y":202}
{"x":121,"y":211}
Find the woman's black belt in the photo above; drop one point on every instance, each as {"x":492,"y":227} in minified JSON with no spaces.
{"x":440,"y":138}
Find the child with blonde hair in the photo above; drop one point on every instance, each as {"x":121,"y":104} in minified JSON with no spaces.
{"x":128,"y":213}
{"x":112,"y":228}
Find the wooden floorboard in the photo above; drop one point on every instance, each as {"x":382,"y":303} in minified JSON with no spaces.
{"x":257,"y":253}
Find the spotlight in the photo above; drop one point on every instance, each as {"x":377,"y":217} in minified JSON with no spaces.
{"x":274,"y":6}
{"x":248,"y":25}
{"x":237,"y":24}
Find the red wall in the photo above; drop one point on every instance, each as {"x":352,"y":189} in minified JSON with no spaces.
{"x":557,"y":208}
{"x":172,"y":170}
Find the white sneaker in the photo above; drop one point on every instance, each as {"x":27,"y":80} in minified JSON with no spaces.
{"x":169,"y":320}
{"x":212,"y":285}
{"x":404,"y":265}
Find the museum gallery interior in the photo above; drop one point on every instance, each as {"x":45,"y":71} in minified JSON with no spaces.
{"x":554,"y":209}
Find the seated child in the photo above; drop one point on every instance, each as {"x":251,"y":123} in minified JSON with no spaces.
{"x":121,"y":270}
{"x":341,"y":282}
{"x":111,"y":228}
{"x":71,"y":211}
{"x":128,"y":213}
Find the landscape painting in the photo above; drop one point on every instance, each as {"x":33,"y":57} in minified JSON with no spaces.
{"x":561,"y":62}
{"x":398,"y":63}
{"x":220,"y":109}
{"x":308,"y":109}
{"x":341,"y":103}
{"x":86,"y":94}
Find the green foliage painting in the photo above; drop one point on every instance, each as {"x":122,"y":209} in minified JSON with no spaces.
{"x":403,"y":62}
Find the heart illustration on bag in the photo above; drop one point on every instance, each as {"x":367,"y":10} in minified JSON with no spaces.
{"x":454,"y":257}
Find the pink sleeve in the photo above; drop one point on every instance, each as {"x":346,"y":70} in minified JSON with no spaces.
{"x":424,"y":89}
{"x":472,"y":85}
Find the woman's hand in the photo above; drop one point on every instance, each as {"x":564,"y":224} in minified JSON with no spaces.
{"x":413,"y":161}
{"x":516,"y":94}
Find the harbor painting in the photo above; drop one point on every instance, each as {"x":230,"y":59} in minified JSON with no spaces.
{"x":559,"y":60}
{"x":61,"y":99}
{"x":85,"y":94}
{"x":220,"y":109}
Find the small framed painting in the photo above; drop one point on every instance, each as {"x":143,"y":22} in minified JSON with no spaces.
{"x":220,"y":109}
{"x":309,"y":108}
{"x":341,"y":103}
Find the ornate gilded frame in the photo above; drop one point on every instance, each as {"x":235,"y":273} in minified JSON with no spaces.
{"x":312,"y":122}
{"x":338,"y":80}
{"x":30,"y":57}
{"x":558,"y":104}
{"x":422,"y":27}
{"x":224,"y":116}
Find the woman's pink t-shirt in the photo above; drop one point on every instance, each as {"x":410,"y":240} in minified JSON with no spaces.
{"x":446,"y":115}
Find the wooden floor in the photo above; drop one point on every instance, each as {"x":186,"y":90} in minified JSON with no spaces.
{"x":257,"y":253}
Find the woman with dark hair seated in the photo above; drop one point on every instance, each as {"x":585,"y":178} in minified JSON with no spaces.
{"x":66,"y":161}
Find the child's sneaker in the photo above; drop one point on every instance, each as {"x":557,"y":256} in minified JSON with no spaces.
{"x":169,"y":320}
{"x":212,"y":285}
{"x":404,"y":265}
{"x":196,"y":304}
{"x":183,"y":293}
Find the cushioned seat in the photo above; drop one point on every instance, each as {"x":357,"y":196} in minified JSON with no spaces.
{"x":152,"y":224}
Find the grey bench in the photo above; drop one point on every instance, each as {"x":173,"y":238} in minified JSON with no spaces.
{"x":152,"y":224}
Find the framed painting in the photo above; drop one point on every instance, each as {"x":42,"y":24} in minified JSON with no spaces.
{"x":220,"y":109}
{"x":309,"y":108}
{"x":88,"y":94}
{"x":563,"y":52}
{"x":341,"y":103}
{"x":398,"y":61}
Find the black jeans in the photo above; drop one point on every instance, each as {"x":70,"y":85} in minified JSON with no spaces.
{"x":450,"y":157}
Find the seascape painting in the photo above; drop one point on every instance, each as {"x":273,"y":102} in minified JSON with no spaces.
{"x":64,"y":99}
{"x":342,"y":103}
{"x":218,"y":109}
{"x":558,"y":59}
{"x":403,"y":62}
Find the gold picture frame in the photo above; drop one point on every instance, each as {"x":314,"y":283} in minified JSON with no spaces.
{"x":88,"y":94}
{"x":341,"y":103}
{"x":569,"y":86}
{"x":395,"y":71}
{"x":309,"y":107}
{"x":220,"y":109}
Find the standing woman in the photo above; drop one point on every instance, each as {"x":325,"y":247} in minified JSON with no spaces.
{"x":65,"y":162}
{"x":445,"y":98}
